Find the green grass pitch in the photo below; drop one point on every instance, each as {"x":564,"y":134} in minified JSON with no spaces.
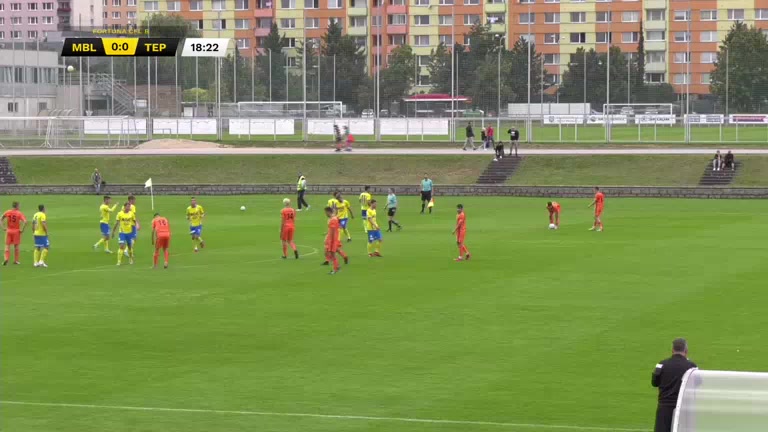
{"x":542,"y":329}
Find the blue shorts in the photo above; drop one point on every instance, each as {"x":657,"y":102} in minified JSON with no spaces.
{"x":196,"y":230}
{"x":134,"y":232}
{"x":104,"y":229}
{"x":126,"y":238}
{"x":374,"y":236}
{"x":343,"y":222}
{"x":42,"y":241}
{"x":365,"y":214}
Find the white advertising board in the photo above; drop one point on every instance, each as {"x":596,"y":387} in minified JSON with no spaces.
{"x":748,"y":119}
{"x":184,"y":126}
{"x":261,"y":127}
{"x":564,"y":119}
{"x":114,"y":126}
{"x":662,"y":119}
{"x":617,"y":119}
{"x":705,"y":119}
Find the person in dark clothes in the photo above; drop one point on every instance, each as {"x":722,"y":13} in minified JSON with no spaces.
{"x":514,"y":138}
{"x":668,"y":377}
{"x":729,"y":162}
{"x":470,"y":141}
{"x":484,"y":138}
{"x":499,"y":150}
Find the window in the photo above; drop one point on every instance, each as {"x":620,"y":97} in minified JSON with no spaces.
{"x":683,"y":57}
{"x":578,"y":37}
{"x":495,"y":18}
{"x":13,"y":107}
{"x":397,"y":39}
{"x":376,"y":21}
{"x":242,"y":5}
{"x":196,"y":5}
{"x":471,"y":2}
{"x":708,"y":36}
{"x":288,"y":4}
{"x":376,"y":40}
{"x":290,"y":61}
{"x":117,"y":3}
{"x":16,"y":20}
{"x":399,"y":19}
{"x":219,"y":24}
{"x":735,"y":14}
{"x":552,"y":38}
{"x":197,"y":24}
{"x":708,"y":57}
{"x":603,"y":37}
{"x":174,"y":6}
{"x":47,"y":20}
{"x":421,"y":40}
{"x":131,"y":14}
{"x":446,"y":40}
{"x":359,"y":41}
{"x":336,"y":20}
{"x":218,"y":5}
{"x":310,"y":23}
{"x":46,"y":6}
{"x":654,"y":78}
{"x":655,"y":57}
{"x":496,"y":1}
{"x":421,"y":20}
{"x":116,"y":15}
{"x":526,"y":1}
{"x":604,"y":17}
{"x":551,"y":59}
{"x":32,"y":6}
{"x":290,"y":23}
{"x":105,"y":15}
{"x":334,"y":4}
{"x":32,"y":21}
{"x":656,"y":36}
{"x":552,"y":18}
{"x":422,"y":60}
{"x":151,"y":6}
{"x":552,"y":79}
{"x":32,"y":34}
{"x":709,"y":15}
{"x":551,"y":1}
{"x":360,"y":21}
{"x":423,"y":80}
{"x":706,"y":78}
{"x":655,"y":15}
{"x":311,"y":4}
{"x":471,"y":19}
{"x":529,"y":38}
{"x":290,"y":42}
{"x":242,"y":24}
{"x":445,"y":20}
{"x":761,"y":14}
{"x":631,"y":16}
{"x":422,"y":3}
{"x":527,"y":18}
{"x":132,"y":3}
{"x":578,"y":17}
{"x":630,"y":37}
{"x":683,"y":15}
{"x":264,"y":23}
{"x":16,"y":34}
{"x":15,"y":6}
{"x":682,"y":36}
{"x":682,"y":78}
{"x":243,"y":43}
{"x":444,"y":3}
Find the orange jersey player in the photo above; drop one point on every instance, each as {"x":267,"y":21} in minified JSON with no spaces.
{"x":287,"y":228}
{"x":554,"y":213}
{"x":161,"y":238}
{"x":598,"y":203}
{"x":460,"y":231}
{"x":14,"y":223}
{"x":332,"y":240}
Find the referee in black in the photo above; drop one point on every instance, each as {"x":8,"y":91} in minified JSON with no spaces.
{"x":668,"y":377}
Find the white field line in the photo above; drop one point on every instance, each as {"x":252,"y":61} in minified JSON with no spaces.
{"x":324,"y":416}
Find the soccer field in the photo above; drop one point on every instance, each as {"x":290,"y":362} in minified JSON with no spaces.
{"x":541,"y":331}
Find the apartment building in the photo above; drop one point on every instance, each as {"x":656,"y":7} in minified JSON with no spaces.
{"x":25,"y":21}
{"x":120,"y":13}
{"x":681,"y":36}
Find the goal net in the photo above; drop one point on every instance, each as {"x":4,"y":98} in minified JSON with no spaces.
{"x":643,"y":113}
{"x":719,"y":401}
{"x":70,"y":132}
{"x":293,"y":109}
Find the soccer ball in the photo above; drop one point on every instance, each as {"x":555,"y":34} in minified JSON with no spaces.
{"x":242,"y":208}
{"x":552,"y":226}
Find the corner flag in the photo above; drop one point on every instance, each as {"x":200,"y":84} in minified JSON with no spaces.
{"x":148,"y":184}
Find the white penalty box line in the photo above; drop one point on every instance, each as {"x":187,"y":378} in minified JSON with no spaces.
{"x":323,"y":416}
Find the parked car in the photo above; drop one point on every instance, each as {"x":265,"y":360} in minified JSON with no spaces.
{"x":367,"y":114}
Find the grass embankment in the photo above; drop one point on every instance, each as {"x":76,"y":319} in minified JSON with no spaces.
{"x":338,"y":169}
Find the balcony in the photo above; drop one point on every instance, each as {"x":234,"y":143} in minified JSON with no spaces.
{"x":64,"y":10}
{"x":655,"y":67}
{"x":260,"y":32}
{"x":357,"y":11}
{"x":495,"y":7}
{"x":263,"y":13}
{"x":655,"y":45}
{"x":397,"y":29}
{"x":498,"y":28}
{"x":655,"y":25}
{"x":655,"y":4}
{"x":357,"y":31}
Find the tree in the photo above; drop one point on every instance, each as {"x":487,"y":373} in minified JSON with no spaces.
{"x":741,"y":67}
{"x":398,"y":78}
{"x":440,"y":69}
{"x":638,"y":70}
{"x":272,"y":66}
{"x":168,"y":25}
{"x":517,"y":72}
{"x":574,"y":86}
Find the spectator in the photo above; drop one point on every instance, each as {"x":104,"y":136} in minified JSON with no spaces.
{"x":349,"y":138}
{"x":484,"y":138}
{"x":489,"y":136}
{"x":668,"y":376}
{"x":514,"y":138}
{"x":499,"y":151}
{"x":729,"y":162}
{"x":470,"y":141}
{"x":337,"y":137}
{"x":96,"y":180}
{"x":717,"y":162}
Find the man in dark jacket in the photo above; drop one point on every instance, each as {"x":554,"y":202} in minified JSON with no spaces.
{"x":668,"y":377}
{"x":514,"y":140}
{"x":470,"y":134}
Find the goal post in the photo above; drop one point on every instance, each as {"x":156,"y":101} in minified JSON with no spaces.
{"x":711,"y":401}
{"x":291,"y":109}
{"x":642,"y":113}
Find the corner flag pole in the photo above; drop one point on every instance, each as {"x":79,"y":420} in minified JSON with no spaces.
{"x":148,"y":184}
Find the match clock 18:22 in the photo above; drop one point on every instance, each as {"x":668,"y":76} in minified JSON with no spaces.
{"x":205,"y":47}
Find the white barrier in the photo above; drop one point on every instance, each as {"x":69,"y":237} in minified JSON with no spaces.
{"x":184,"y":126}
{"x":564,"y":119}
{"x":391,"y":126}
{"x":114,"y":126}
{"x":616,"y":119}
{"x":704,"y":119}
{"x":748,"y":119}
{"x":261,"y":127}
{"x":325,"y":126}
{"x":662,"y":119}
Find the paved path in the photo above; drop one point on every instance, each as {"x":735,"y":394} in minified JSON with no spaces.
{"x":393,"y":151}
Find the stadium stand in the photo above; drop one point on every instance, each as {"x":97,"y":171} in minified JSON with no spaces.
{"x":6,"y":172}
{"x":497,"y":172}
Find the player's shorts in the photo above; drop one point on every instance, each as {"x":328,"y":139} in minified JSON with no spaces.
{"x":196,"y":230}
{"x":12,"y":237}
{"x":134,"y":232}
{"x":331,"y":247}
{"x":460,"y":237}
{"x":126,"y":238}
{"x":426,"y":195}
{"x":364,"y":213}
{"x":391,"y":211}
{"x":598,"y":211}
{"x":162,"y":243}
{"x":374,"y":236}
{"x":42,"y":241}
{"x":104,"y":229}
{"x":343,"y":223}
{"x":287,"y":234}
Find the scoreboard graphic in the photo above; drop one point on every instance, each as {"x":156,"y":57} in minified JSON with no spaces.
{"x":143,"y":47}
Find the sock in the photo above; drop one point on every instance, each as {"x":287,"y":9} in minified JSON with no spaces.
{"x":390,"y":225}
{"x":155,"y":256}
{"x":349,"y":236}
{"x":200,"y":239}
{"x":370,"y":248}
{"x":378,"y":246}
{"x":130,"y":252}
{"x":285,"y":249}
{"x":196,"y":242}
{"x":120,"y":255}
{"x":98,"y":243}
{"x":422,"y":206}
{"x":44,"y":255}
{"x":430,"y":210}
{"x":464,"y":250}
{"x":165,"y":253}
{"x":106,"y":244}
{"x":396,"y":223}
{"x":341,"y":252}
{"x":293,"y":246}
{"x":7,"y":254}
{"x":335,"y":263}
{"x":460,"y":251}
{"x":16,"y":254}
{"x":37,"y":256}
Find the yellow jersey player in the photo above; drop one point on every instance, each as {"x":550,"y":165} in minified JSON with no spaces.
{"x":195,"y":215}
{"x":125,"y":224}
{"x":40,"y":232}
{"x":365,"y":204}
{"x":344,"y":213}
{"x":374,"y":232}
{"x":106,"y":216}
{"x":136,"y":226}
